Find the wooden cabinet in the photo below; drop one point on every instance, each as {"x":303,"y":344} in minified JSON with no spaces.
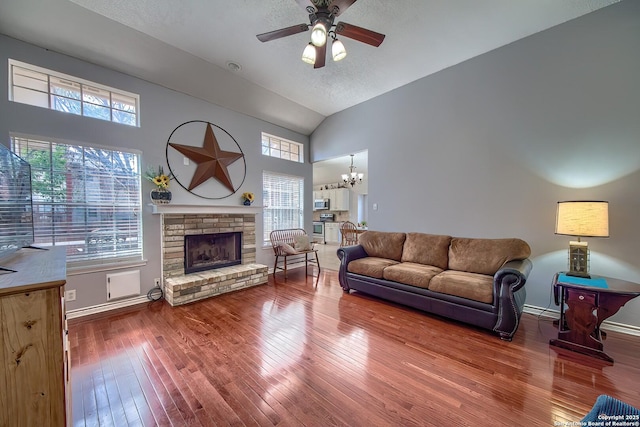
{"x":341,"y":199}
{"x":34,"y":359}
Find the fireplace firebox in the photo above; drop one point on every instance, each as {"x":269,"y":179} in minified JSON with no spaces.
{"x":210,"y":251}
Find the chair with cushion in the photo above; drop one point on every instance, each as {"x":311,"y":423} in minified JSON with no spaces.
{"x":349,"y":234}
{"x":293,"y":242}
{"x":610,"y":406}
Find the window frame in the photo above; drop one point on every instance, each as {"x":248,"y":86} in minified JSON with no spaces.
{"x":52,"y":232}
{"x":86,"y":89}
{"x":281,"y":142}
{"x":267,"y":217}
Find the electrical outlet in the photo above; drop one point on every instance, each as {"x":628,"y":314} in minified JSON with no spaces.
{"x":70,"y":295}
{"x":157,"y":281}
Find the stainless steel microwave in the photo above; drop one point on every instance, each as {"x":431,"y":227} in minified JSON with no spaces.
{"x":320,"y":204}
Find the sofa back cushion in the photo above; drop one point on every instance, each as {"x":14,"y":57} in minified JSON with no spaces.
{"x":382,"y":244}
{"x":485,"y":256}
{"x":427,"y":249}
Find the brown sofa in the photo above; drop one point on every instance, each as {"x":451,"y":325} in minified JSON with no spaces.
{"x":477,"y":281}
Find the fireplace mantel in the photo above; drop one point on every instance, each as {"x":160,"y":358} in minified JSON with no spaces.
{"x":204,"y":209}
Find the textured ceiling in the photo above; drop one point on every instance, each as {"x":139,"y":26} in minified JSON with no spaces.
{"x":187,"y":44}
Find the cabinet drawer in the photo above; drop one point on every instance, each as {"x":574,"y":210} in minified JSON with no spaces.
{"x":576,"y":295}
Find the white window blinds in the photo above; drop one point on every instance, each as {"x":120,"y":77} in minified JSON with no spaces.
{"x":284,"y":203}
{"x":16,"y":229}
{"x":85,"y":199}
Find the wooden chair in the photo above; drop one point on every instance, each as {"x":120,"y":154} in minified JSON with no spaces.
{"x":283,"y":243}
{"x":349,"y":234}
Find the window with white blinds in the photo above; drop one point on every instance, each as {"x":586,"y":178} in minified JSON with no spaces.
{"x":44,"y":88}
{"x":85,"y":199}
{"x":281,"y":148}
{"x":284,"y":203}
{"x":16,"y":225}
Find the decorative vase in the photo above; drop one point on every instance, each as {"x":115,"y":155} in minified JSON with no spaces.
{"x":160,"y":196}
{"x":247,"y":203}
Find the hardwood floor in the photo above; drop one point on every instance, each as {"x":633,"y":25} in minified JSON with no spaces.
{"x":304,"y":353}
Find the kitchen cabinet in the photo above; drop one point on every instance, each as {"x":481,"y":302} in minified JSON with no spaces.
{"x":332,"y":232}
{"x":341,"y":199}
{"x":34,"y":353}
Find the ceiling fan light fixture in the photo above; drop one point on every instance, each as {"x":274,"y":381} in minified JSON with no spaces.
{"x":337,"y":50}
{"x":309,"y":54}
{"x":319,"y":34}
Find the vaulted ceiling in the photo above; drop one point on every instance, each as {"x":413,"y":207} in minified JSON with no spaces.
{"x":196,"y":46}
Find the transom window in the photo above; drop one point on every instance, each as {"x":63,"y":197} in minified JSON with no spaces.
{"x":85,"y":199}
{"x":40,"y":87}
{"x":273,"y":146}
{"x":284,"y":202}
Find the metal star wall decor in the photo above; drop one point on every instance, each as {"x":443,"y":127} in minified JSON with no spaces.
{"x":211,"y":160}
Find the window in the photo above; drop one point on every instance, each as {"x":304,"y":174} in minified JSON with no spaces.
{"x":283,"y":199}
{"x":45,"y":88}
{"x":85,"y":199}
{"x":273,"y":146}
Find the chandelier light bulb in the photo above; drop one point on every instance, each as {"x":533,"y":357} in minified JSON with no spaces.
{"x":352,"y":178}
{"x":319,"y":34}
{"x":309,"y":54}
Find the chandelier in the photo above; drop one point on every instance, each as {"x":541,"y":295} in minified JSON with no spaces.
{"x":352,"y":177}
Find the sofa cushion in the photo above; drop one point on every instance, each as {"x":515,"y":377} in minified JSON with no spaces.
{"x":477,"y":287}
{"x":411,"y":273}
{"x":428,"y":249}
{"x":383,"y":244}
{"x":370,"y":266}
{"x":485,"y":256}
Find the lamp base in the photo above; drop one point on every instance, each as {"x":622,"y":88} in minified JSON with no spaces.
{"x":578,"y":259}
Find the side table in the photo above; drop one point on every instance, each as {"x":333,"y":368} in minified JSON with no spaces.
{"x":588,"y":303}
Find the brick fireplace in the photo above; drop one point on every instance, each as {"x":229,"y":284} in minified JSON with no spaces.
{"x":179,"y":221}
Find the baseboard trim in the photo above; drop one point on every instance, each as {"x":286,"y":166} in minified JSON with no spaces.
{"x":101,"y":308}
{"x":610,"y":326}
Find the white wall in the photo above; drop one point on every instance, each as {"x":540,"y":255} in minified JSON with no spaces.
{"x":161,"y":110}
{"x":486,"y":148}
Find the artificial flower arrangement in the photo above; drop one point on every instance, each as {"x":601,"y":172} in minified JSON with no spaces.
{"x":248,"y":198}
{"x":158,"y":177}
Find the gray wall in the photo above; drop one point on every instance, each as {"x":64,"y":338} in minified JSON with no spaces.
{"x":486,"y":148}
{"x":161,"y":111}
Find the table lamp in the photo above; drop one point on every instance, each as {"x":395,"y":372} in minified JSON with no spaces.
{"x":585,"y":218}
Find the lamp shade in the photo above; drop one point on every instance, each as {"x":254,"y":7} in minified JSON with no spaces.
{"x":337,"y":50}
{"x":309,"y":54}
{"x":583,"y":218}
{"x":319,"y":34}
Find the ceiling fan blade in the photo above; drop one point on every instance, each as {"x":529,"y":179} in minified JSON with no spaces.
{"x":283,"y":32}
{"x":341,"y":6}
{"x":321,"y":56}
{"x":358,"y":33}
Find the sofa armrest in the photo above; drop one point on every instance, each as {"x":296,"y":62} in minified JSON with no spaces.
{"x":347,"y":254}
{"x":513,"y":273}
{"x":510,"y":295}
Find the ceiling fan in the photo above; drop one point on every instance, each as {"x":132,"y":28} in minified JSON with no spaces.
{"x":322,"y":14}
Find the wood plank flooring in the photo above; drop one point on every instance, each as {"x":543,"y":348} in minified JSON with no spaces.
{"x":303,"y":353}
